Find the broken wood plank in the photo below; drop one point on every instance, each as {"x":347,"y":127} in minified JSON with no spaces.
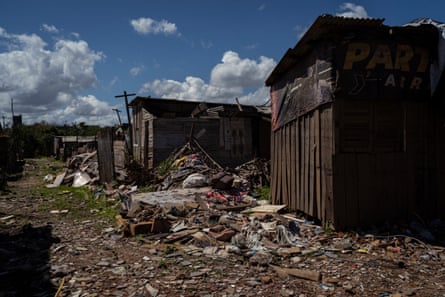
{"x":299,"y":273}
{"x":58,"y":181}
{"x":266,"y":208}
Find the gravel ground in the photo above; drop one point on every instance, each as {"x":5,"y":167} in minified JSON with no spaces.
{"x":54,"y":254}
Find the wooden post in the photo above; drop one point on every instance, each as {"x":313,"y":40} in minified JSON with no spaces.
{"x":125,"y":95}
{"x":118,"y":115}
{"x":105,"y":154}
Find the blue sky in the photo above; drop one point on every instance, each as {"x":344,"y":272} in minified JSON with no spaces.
{"x":64,"y":61}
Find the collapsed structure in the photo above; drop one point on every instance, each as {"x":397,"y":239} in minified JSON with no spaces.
{"x":231,"y":133}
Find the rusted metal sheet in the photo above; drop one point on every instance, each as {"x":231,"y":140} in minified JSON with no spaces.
{"x":305,"y":87}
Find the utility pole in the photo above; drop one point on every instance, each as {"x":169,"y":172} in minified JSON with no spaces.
{"x":12,"y":107}
{"x":125,"y":95}
{"x":118,"y":115}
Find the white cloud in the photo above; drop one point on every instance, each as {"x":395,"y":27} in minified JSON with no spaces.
{"x":88,"y":106}
{"x":234,"y":71}
{"x":75,"y":35}
{"x":44,"y":81}
{"x":135,"y":71}
{"x":3,"y":32}
{"x":258,"y":97}
{"x":150,"y":26}
{"x":229,"y":80}
{"x":352,"y":10}
{"x":262,"y":7}
{"x":86,"y":109}
{"x":50,"y":28}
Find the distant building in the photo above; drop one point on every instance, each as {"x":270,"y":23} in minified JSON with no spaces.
{"x":68,"y":146}
{"x":16,"y":120}
{"x":231,"y":134}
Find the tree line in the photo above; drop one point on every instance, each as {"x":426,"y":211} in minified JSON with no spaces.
{"x":37,"y":140}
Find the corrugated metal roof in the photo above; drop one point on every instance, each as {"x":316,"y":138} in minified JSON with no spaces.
{"x":158,"y":106}
{"x":322,"y":25}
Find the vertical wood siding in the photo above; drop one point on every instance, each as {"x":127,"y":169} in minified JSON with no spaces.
{"x":301,"y":164}
{"x":353,"y":171}
{"x":396,"y":175}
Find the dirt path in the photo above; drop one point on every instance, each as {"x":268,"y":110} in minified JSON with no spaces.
{"x":47,"y":254}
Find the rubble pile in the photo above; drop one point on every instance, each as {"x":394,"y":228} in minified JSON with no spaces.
{"x":81,"y":170}
{"x":197,"y":197}
{"x":270,"y":245}
{"x":215,"y":240}
{"x":191,"y":166}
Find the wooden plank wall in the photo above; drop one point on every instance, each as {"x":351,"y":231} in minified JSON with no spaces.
{"x":119,"y":154}
{"x":439,"y":204}
{"x":105,"y":154}
{"x":383,"y":184}
{"x":301,"y":164}
{"x":378,"y":182}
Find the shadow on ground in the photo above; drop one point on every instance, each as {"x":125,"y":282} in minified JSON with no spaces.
{"x":24,"y":258}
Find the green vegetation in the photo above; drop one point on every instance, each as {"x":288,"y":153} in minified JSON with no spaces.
{"x":80,"y":203}
{"x":164,"y":167}
{"x":45,"y":166}
{"x":30,"y":141}
{"x":264,"y":192}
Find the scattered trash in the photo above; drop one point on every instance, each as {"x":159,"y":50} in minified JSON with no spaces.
{"x":81,"y":170}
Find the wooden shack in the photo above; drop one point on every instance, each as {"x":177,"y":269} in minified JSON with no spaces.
{"x":230,"y":133}
{"x":68,"y":146}
{"x":358,"y":126}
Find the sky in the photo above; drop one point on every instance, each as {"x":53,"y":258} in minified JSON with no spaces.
{"x":63,"y":62}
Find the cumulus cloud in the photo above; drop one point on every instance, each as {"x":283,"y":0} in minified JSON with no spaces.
{"x":352,"y":10}
{"x":234,"y":71}
{"x":43,"y":81}
{"x":151,"y":26}
{"x":87,"y":109}
{"x":88,"y":105}
{"x":230,"y":79}
{"x":50,"y":28}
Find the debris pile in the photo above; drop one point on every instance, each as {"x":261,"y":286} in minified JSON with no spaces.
{"x":201,"y":202}
{"x":191,"y":167}
{"x":191,"y":248}
{"x":269,"y":238}
{"x":207,"y":217}
{"x":81,"y":170}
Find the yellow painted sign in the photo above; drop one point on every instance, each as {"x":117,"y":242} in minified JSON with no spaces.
{"x":406,"y":64}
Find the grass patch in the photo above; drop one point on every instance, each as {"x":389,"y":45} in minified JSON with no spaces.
{"x":164,"y":167}
{"x":80,"y":203}
{"x":264,"y":193}
{"x":45,"y":166}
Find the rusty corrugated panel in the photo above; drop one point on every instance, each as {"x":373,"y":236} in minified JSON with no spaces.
{"x":323,"y":24}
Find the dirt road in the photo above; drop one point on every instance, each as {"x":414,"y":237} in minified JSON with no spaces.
{"x":47,"y":252}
